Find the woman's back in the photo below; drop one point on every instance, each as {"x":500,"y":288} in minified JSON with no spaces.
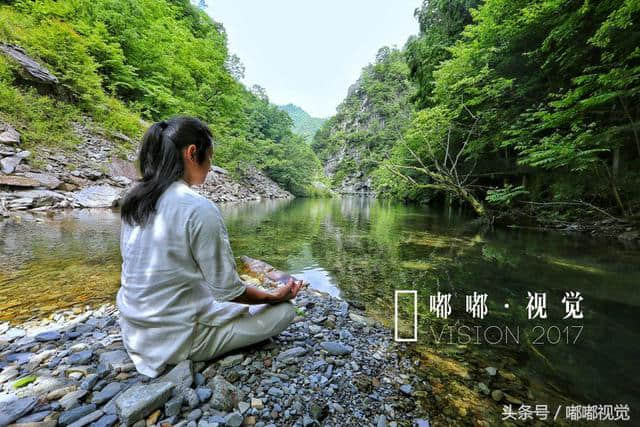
{"x":163,"y":292}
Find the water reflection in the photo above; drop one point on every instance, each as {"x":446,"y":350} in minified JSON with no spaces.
{"x":364,"y":249}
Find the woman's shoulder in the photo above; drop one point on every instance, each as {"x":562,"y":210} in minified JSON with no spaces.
{"x":189,"y":200}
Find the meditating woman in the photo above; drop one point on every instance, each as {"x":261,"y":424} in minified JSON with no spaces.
{"x":180,"y":296}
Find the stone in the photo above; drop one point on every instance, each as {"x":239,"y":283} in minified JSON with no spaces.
{"x":204,"y":394}
{"x":89,"y":382}
{"x":115,"y":358}
{"x":232,"y":360}
{"x":48,"y":336}
{"x":180,"y":376}
{"x":497,"y":395}
{"x":153,"y":418}
{"x":9,"y":135}
{"x":45,"y":423}
{"x":194,"y":415}
{"x":336,"y":348}
{"x":106,"y":421}
{"x":119,"y":168}
{"x":18,"y":181}
{"x":173,"y":405}
{"x":307,"y":421}
{"x":36,"y":71}
{"x":382,"y":421}
{"x":20,"y":358}
{"x":233,"y":419}
{"x":224,"y":396}
{"x":319,"y":410}
{"x":87,"y":419}
{"x":406,"y":389}
{"x":40,"y":197}
{"x":13,"y":409}
{"x":199,"y":379}
{"x":243,"y":407}
{"x":14,"y":333}
{"x":97,"y":196}
{"x":275,"y":391}
{"x":9,"y":164}
{"x":75,"y":414}
{"x":141,"y":399}
{"x":257,"y":403}
{"x":483,"y":388}
{"x":34,"y":417}
{"x":9,"y":373}
{"x":491,"y":371}
{"x":291,"y":354}
{"x":81,"y":357}
{"x":362,"y":320}
{"x":44,"y":179}
{"x":190,"y":396}
{"x":60,"y":392}
{"x":106,"y":393}
{"x":72,"y":399}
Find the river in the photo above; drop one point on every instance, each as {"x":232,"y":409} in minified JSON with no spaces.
{"x":364,"y":249}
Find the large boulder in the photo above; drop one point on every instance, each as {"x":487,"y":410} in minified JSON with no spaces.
{"x":28,"y":64}
{"x":97,"y":196}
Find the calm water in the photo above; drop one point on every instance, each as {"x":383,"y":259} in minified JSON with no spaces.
{"x":364,"y":249}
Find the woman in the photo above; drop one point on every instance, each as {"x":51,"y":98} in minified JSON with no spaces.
{"x":180,"y":296}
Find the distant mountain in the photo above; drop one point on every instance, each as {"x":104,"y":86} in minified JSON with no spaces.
{"x":303,"y":123}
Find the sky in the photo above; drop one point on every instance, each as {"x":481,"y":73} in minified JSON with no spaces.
{"x":309,"y":52}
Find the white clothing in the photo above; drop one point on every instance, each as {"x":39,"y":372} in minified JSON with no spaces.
{"x":178,"y":272}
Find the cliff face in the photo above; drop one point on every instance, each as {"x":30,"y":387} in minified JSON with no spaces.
{"x":373,"y":115}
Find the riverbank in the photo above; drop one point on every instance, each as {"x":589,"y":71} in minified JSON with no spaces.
{"x":332,"y":366}
{"x":96,"y":174}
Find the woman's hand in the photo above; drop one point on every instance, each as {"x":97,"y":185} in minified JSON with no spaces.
{"x":286,"y":292}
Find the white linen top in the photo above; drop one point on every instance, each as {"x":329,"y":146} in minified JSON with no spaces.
{"x":177,"y":271}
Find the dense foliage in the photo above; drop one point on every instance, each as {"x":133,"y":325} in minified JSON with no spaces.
{"x":122,"y":61}
{"x":520,"y":104}
{"x":303,"y":124}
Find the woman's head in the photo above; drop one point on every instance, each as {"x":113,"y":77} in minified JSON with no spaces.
{"x":178,"y":148}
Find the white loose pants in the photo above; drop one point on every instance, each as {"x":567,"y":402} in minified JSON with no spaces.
{"x":262,"y":322}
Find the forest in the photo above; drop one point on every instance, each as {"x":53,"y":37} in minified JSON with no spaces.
{"x":128,"y":63}
{"x":521,"y":109}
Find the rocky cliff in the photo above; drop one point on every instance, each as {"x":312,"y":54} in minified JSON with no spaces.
{"x":96,"y":174}
{"x":371,"y":117}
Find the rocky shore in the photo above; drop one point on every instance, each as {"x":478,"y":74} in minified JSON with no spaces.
{"x":96,"y":173}
{"x":333,"y":366}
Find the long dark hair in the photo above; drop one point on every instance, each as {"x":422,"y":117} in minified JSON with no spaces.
{"x":161,"y":163}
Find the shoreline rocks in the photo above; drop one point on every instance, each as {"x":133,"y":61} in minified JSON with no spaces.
{"x":340,"y":374}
